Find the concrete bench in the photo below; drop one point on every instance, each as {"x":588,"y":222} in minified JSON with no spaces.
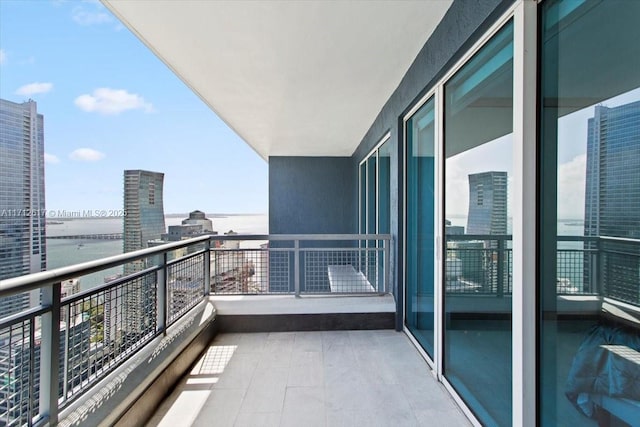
{"x":345,"y":278}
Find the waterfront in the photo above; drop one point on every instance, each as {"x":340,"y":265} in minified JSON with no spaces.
{"x":64,"y":252}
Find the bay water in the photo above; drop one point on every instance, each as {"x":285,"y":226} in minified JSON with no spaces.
{"x":65,"y":252}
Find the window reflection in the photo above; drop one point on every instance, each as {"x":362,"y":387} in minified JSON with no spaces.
{"x":589,"y":279}
{"x":478,"y":167}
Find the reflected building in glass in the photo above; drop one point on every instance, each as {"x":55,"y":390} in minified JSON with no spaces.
{"x":487,"y":203}
{"x":22,"y":198}
{"x":612,"y":194}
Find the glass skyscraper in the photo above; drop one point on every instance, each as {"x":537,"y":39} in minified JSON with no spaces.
{"x":612,"y":194}
{"x":143,"y":222}
{"x":22,"y":198}
{"x":487,"y":203}
{"x":143,"y":204}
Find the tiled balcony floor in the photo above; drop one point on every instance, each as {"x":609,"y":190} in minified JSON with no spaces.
{"x":341,"y":378}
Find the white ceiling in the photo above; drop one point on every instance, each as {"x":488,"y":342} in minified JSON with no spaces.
{"x":292,"y":78}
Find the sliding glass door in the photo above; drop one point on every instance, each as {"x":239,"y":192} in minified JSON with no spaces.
{"x":420,"y":225}
{"x":478,"y":146}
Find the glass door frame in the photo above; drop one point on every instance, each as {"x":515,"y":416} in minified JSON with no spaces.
{"x":435,"y":94}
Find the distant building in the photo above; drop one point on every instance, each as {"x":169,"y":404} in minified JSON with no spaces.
{"x":22,"y":198}
{"x":612,"y":194}
{"x":454,"y":230}
{"x":487,"y":203}
{"x":15,"y":370}
{"x":143,"y":204}
{"x":143,"y":222}
{"x":199,"y":218}
{"x":487,"y":216}
{"x":67,"y":289}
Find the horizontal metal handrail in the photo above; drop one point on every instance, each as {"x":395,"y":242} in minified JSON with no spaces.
{"x":458,"y":237}
{"x":33,"y":281}
{"x":286,"y":237}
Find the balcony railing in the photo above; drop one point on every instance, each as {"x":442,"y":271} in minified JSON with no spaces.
{"x":603,"y":266}
{"x":56,"y":351}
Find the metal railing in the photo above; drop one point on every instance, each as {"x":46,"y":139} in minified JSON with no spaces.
{"x":585,"y":265}
{"x":302,"y":264}
{"x":56,"y":351}
{"x":478,"y":264}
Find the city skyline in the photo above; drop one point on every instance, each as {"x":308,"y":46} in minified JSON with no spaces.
{"x":112,"y":105}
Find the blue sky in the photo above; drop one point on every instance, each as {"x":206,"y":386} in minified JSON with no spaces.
{"x":109,"y":105}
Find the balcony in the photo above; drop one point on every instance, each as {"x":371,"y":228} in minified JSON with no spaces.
{"x":98,"y":356}
{"x":284,"y":329}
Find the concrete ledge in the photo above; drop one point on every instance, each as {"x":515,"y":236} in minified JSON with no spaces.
{"x":285,"y":313}
{"x":130,"y":394}
{"x":306,"y":304}
{"x":305,"y":322}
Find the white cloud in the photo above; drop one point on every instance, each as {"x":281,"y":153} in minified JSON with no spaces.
{"x":84,"y":17}
{"x":34,"y":88}
{"x":51,"y":159}
{"x":112,"y":101}
{"x":3,"y":56}
{"x":571,"y":186}
{"x":86,"y":155}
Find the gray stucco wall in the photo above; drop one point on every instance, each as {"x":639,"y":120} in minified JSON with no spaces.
{"x":314,"y":195}
{"x":461,"y":27}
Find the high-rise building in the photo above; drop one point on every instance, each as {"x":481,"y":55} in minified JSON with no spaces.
{"x":487,"y":203}
{"x":143,"y":222}
{"x":144,"y":219}
{"x":22,"y":201}
{"x":487,"y":215}
{"x":612,"y":194}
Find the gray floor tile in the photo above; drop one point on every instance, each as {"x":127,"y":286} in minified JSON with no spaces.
{"x":308,"y":341}
{"x":221,"y":409}
{"x":442,"y":417}
{"x":258,"y":419}
{"x":306,"y":369}
{"x":304,"y":406}
{"x":341,"y":378}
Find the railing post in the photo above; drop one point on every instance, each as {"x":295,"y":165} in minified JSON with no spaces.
{"x":387,"y":264}
{"x":500,"y":268}
{"x":162,"y":300}
{"x":207,"y":267}
{"x":296,"y":267}
{"x":50,"y":354}
{"x":598,"y":269}
{"x":65,"y":372}
{"x":32,"y":367}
